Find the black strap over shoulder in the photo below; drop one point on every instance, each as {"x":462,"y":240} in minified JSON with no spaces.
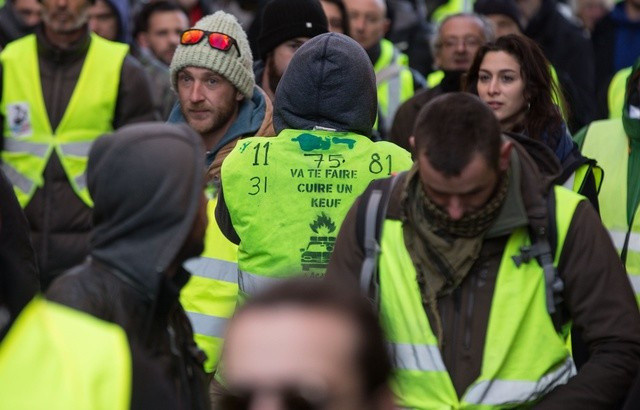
{"x":370,"y":216}
{"x":544,"y":243}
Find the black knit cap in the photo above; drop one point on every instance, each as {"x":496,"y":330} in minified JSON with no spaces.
{"x":505,"y":7}
{"x":283,"y":20}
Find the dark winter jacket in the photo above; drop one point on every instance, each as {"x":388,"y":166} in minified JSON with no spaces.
{"x":568,"y":50}
{"x":59,"y":220}
{"x":144,"y":214}
{"x":616,"y":43}
{"x":597,"y":294}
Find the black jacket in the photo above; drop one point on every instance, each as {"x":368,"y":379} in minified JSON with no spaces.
{"x":571,"y":54}
{"x":147,"y":182}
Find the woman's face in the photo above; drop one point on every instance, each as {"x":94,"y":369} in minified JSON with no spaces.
{"x":501,"y":86}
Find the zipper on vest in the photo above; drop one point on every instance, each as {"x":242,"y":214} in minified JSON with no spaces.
{"x":470,"y":305}
{"x":457,"y":298}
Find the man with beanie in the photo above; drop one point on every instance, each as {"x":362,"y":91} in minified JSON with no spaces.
{"x":395,"y":81}
{"x":283,"y":199}
{"x":286,"y":25}
{"x":61,"y":88}
{"x":218,"y":98}
{"x":149,"y":217}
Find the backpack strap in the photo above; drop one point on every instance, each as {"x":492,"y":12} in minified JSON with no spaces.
{"x":371,"y":213}
{"x":544,"y":241}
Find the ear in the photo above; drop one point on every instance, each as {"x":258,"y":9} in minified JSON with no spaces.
{"x":505,"y":155}
{"x":239,"y":96}
{"x":387,"y":25}
{"x":142,"y":40}
{"x":412,"y":143}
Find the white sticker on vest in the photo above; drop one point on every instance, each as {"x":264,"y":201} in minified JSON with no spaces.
{"x":19,"y":119}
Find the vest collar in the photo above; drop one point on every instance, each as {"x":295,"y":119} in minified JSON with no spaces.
{"x":53,"y":53}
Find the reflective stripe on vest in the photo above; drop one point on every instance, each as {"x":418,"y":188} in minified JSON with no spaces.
{"x":54,"y":357}
{"x":251,"y":284}
{"x":607,"y":142}
{"x":417,"y":357}
{"x":319,"y":174}
{"x":394,"y":81}
{"x":616,"y":92}
{"x":29,"y":138}
{"x":211,"y":295}
{"x":517,"y":368}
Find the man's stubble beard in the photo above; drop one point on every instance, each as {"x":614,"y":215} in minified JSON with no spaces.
{"x":219,"y":119}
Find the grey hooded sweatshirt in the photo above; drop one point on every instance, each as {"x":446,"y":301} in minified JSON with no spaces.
{"x":314,"y":91}
{"x":146,"y":181}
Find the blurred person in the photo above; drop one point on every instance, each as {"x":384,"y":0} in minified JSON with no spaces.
{"x":568,"y":49}
{"x":148,"y":219}
{"x":482,"y":262}
{"x":157,"y":30}
{"x":503,"y":14}
{"x":159,"y":25}
{"x":110,"y":19}
{"x":395,"y":81}
{"x":616,"y":41}
{"x":614,"y":144}
{"x":61,"y":89}
{"x":220,"y":101}
{"x":589,"y":12}
{"x":513,"y":78}
{"x":93,"y":363}
{"x":306,"y":344}
{"x":457,"y":39}
{"x":196,"y":9}
{"x":322,"y":157}
{"x":410,"y":32}
{"x":17,"y":19}
{"x":336,"y":16}
{"x":286,"y":25}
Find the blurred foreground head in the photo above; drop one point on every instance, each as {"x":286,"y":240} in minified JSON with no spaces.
{"x":306,"y":344}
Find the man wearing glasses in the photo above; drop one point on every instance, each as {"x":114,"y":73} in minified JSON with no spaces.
{"x":212,"y":73}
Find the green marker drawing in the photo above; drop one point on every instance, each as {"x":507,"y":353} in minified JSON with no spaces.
{"x":347,"y":141}
{"x":310,"y":142}
{"x":244,"y":146}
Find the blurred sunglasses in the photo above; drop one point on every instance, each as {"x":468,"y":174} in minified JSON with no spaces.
{"x":219,"y":41}
{"x":290,"y":397}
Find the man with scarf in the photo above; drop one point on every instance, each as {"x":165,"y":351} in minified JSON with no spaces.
{"x":474,"y":299}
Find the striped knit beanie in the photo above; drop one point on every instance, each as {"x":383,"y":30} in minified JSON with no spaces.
{"x":238,"y":70}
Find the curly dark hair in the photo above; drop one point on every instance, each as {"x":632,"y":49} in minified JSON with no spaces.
{"x":540,"y":87}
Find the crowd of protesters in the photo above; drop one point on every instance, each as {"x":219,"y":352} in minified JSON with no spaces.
{"x":319,"y":204}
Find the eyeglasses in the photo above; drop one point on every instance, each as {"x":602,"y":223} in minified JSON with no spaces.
{"x":469,"y":42}
{"x":290,"y":398}
{"x":219,"y":41}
